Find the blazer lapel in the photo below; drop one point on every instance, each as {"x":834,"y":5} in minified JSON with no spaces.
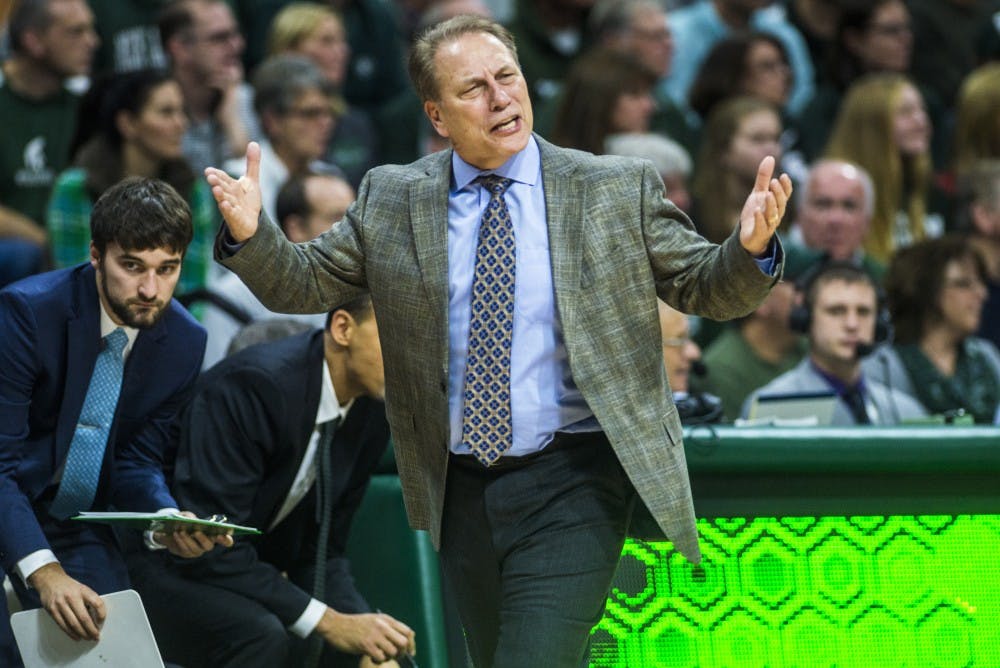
{"x":564,"y":207}
{"x":83,"y":336}
{"x":429,"y":220}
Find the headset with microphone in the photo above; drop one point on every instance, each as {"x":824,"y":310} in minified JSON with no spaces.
{"x":800,"y":317}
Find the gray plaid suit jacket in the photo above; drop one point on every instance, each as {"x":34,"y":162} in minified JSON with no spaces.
{"x":616,"y":244}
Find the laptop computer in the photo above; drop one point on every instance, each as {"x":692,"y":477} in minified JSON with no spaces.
{"x":801,"y":409}
{"x":126,"y":638}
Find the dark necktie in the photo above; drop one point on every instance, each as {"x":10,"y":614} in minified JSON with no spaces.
{"x":855,"y":401}
{"x":324,"y":517}
{"x":486,"y":410}
{"x":82,"y":471}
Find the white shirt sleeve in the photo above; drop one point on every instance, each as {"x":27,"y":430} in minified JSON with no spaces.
{"x":31,"y":563}
{"x":309,"y":619}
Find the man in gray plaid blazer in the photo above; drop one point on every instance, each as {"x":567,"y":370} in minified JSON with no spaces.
{"x":531,"y":541}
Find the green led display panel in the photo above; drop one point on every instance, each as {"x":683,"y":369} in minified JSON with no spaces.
{"x":810,"y":592}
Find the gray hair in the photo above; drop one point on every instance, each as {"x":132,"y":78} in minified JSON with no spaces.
{"x":280,"y":80}
{"x":847,"y":169}
{"x":426,"y":45}
{"x":667,"y":156}
{"x":611,"y":18}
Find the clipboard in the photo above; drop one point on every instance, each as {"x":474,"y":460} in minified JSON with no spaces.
{"x":126,"y":638}
{"x":166,"y":522}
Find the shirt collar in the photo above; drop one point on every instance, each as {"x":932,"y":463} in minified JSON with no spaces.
{"x":839,"y":386}
{"x":108,"y":325}
{"x":329,"y":407}
{"x":523,"y":167}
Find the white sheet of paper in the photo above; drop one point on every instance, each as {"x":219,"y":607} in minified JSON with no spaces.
{"x":126,"y":638}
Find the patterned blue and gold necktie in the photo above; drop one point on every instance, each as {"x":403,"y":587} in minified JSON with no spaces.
{"x":486,"y":413}
{"x":86,"y":451}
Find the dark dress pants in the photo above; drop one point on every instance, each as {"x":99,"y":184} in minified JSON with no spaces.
{"x":199,"y":625}
{"x":530,"y":547}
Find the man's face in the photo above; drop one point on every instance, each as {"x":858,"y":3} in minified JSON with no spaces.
{"x":679,"y":351}
{"x":328,"y":200}
{"x":67,"y":45}
{"x":650,"y":39}
{"x":364,"y":359}
{"x":301,"y":132}
{"x":833,"y":216}
{"x":216,"y":45}
{"x":887,"y":43}
{"x":843,"y":316}
{"x":484,"y":107}
{"x":136,"y":286}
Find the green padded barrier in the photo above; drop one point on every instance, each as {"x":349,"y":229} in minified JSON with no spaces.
{"x":845,"y":548}
{"x":396,"y":568}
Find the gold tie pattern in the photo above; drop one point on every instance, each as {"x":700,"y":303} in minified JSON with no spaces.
{"x":486,"y":413}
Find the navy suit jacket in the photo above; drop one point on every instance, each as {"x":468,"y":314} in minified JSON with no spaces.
{"x":242,"y":440}
{"x":49,"y":341}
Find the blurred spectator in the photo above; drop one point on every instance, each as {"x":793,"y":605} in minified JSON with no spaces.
{"x":883,"y":127}
{"x":295,"y":103}
{"x":51,"y":41}
{"x":138,"y":131}
{"x":549,"y":34}
{"x":980,"y":219}
{"x":816,"y":20}
{"x":951,"y":37}
{"x":834,"y":214}
{"x":681,"y":360}
{"x":204,"y":44}
{"x":405,"y":133}
{"x":977,"y":128}
{"x":755,"y":350}
{"x":936,"y":290}
{"x":739,"y":133}
{"x":672,"y":162}
{"x":316,"y":32}
{"x":699,"y":26}
{"x":376,"y":72}
{"x":307,"y":205}
{"x":640,"y":28}
{"x":840,"y":315}
{"x":130,"y":36}
{"x":744,"y":63}
{"x":606,"y":92}
{"x":871,"y":37}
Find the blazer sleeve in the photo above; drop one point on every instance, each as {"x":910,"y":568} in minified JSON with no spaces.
{"x":20,"y":533}
{"x":228,"y":435}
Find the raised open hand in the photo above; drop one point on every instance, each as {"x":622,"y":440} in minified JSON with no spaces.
{"x":238,"y":199}
{"x":764,"y":208}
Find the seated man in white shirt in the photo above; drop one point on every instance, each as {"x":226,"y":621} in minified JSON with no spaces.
{"x":282,"y":436}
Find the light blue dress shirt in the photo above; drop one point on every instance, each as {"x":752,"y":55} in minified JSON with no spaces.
{"x":544,"y":398}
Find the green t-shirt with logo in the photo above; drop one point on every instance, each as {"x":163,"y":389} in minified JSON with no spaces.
{"x":34,"y":146}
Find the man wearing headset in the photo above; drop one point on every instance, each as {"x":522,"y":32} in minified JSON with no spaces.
{"x":841,"y":315}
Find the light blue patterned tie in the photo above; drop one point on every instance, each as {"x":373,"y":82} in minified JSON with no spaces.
{"x":86,"y":451}
{"x":486,"y":413}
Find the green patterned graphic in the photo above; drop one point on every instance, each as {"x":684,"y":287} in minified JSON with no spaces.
{"x":810,"y":592}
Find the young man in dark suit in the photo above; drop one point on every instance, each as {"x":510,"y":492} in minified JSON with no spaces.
{"x":253,"y":443}
{"x":66,"y":445}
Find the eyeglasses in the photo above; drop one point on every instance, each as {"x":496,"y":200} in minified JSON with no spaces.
{"x":221,"y":37}
{"x":891,"y":29}
{"x":311,"y":113}
{"x":677,"y":341}
{"x":965,"y":284}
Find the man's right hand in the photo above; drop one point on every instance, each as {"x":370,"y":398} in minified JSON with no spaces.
{"x":376,"y":635}
{"x":74,"y":606}
{"x":238,"y":199}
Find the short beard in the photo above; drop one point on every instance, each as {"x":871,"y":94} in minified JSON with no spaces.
{"x":121,"y":308}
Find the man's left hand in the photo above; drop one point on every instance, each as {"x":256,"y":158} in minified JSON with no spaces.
{"x":190,"y":544}
{"x":764,"y":208}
